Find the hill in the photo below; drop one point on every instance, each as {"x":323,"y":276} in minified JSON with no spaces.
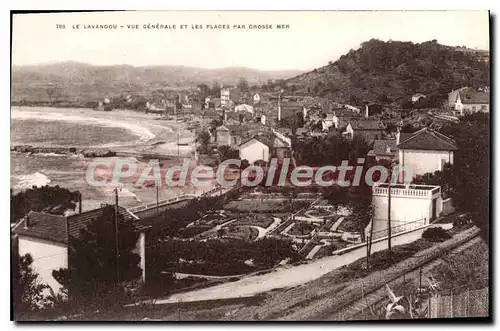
{"x":390,"y":72}
{"x":75,"y":80}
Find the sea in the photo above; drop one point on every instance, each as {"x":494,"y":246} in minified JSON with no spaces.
{"x":55,"y":127}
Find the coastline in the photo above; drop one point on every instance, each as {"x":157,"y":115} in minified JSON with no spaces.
{"x":154,"y":133}
{"x":69,"y":170}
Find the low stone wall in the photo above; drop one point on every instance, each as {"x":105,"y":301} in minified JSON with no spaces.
{"x":448,"y":207}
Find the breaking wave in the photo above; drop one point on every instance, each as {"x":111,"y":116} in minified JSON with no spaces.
{"x":34,"y":179}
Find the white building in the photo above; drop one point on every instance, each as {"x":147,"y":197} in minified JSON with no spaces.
{"x":411,"y":206}
{"x":472,"y":102}
{"x":256,"y":98}
{"x":225,"y":94}
{"x":331,"y":120}
{"x":48,"y":247}
{"x":254,"y":149}
{"x":416,"y":97}
{"x":45,"y":237}
{"x":425,"y":151}
{"x":243,"y":108}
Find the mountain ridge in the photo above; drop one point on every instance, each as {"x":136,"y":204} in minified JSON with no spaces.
{"x":86,"y":81}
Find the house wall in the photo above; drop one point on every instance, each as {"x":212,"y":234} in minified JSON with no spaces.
{"x":224,"y":96}
{"x":404,"y":209}
{"x":452,"y":98}
{"x":140,"y":248}
{"x":254,"y":150}
{"x":421,"y":162}
{"x":47,"y":256}
{"x":474,"y":108}
{"x":369,"y":135}
{"x":223,"y":138}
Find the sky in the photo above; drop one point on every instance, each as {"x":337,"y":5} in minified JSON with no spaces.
{"x":312,"y":39}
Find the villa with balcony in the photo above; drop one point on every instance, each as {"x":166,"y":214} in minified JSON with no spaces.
{"x":412,"y":206}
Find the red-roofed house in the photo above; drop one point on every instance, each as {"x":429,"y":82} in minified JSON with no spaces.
{"x":425,"y":151}
{"x":46,"y":236}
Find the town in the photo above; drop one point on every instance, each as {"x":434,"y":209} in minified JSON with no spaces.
{"x":275,"y":250}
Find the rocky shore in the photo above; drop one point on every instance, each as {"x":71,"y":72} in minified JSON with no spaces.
{"x":87,"y":152}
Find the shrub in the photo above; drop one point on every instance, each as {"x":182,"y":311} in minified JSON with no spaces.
{"x":436,"y":234}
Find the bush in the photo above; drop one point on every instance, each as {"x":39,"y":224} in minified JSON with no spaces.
{"x":436,"y":234}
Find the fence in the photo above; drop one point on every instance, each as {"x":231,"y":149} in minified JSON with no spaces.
{"x":399,"y":228}
{"x":471,"y":303}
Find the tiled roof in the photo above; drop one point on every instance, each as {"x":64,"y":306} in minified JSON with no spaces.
{"x":43,"y":226}
{"x":367,"y":125}
{"x":474,"y":97}
{"x":269,"y":142}
{"x":221,"y":128}
{"x":427,"y":139}
{"x":380,"y":147}
{"x":53,"y":227}
{"x":78,"y":222}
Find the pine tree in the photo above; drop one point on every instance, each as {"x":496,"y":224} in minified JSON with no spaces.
{"x":93,"y":260}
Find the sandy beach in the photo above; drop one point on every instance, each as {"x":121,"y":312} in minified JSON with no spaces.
{"x":152,"y":131}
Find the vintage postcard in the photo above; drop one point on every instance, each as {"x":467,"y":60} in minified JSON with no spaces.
{"x":250,"y":165}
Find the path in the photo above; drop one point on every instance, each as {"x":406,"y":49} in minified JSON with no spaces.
{"x":313,"y":252}
{"x":285,"y":231}
{"x":286,"y":276}
{"x":337,"y":224}
{"x":274,"y":225}
{"x":327,"y":307}
{"x":262,"y":231}
{"x":214,"y":229}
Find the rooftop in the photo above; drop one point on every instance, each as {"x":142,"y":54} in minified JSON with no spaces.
{"x":380,"y":147}
{"x":78,"y":222}
{"x":53,"y":227}
{"x":427,"y":139}
{"x":367,"y":125}
{"x":43,"y":226}
{"x":474,"y":97}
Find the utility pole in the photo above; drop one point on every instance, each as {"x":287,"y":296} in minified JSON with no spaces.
{"x":157,"y":189}
{"x":116,"y":238}
{"x":177,"y":144}
{"x":389,"y":217}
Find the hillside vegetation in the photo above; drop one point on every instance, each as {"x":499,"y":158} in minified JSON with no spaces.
{"x":390,"y":72}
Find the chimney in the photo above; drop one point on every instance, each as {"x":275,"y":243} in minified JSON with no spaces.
{"x":279,"y":107}
{"x":27,"y":221}
{"x":366,"y":111}
{"x":79,"y":203}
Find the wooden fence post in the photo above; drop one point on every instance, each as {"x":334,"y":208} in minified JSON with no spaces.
{"x":467,"y":307}
{"x":362,"y":300}
{"x":429,"y":302}
{"x":451,"y":304}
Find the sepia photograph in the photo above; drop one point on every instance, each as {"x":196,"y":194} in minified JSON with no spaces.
{"x":250,"y":166}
